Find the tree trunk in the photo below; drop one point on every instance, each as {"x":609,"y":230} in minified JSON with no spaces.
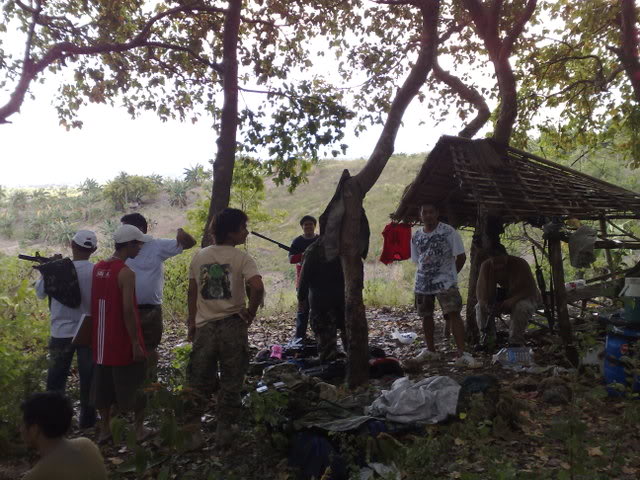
{"x":355,"y":316}
{"x":226,"y":154}
{"x":508,"y":100}
{"x":357,"y":187}
{"x":488,"y":18}
{"x":629,"y":42}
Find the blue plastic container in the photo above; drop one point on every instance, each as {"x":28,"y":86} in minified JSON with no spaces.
{"x":620,"y":342}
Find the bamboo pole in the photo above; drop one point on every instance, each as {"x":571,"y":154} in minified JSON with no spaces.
{"x":603,"y":233}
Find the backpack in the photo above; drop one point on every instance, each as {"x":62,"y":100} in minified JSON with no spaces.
{"x":61,"y":281}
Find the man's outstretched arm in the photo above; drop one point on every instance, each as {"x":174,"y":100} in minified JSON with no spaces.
{"x":185,"y":240}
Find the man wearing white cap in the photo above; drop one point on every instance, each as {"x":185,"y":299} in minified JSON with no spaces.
{"x":148,"y":267}
{"x":64,"y":324}
{"x":118,"y":345}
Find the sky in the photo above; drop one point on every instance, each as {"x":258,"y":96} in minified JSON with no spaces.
{"x":37,"y":151}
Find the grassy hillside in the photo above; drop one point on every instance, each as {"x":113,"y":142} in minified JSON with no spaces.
{"x":313,"y":197}
{"x":42,"y":219}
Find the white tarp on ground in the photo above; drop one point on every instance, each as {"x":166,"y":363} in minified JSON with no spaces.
{"x":430,"y":400}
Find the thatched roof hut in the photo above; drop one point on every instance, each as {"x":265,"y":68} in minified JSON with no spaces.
{"x":478,"y":183}
{"x":468,"y":177}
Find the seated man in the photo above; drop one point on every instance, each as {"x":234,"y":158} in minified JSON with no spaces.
{"x":521,"y":297}
{"x":322,"y":287}
{"x":46,"y":420}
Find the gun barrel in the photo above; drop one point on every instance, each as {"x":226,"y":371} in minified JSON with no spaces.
{"x":29,"y":258}
{"x":281,"y":245}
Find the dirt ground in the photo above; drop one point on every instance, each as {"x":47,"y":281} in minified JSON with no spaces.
{"x":529,"y":447}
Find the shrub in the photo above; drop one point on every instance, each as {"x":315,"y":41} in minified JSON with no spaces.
{"x":24,"y":327}
{"x":126,"y":189}
{"x":156,"y":179}
{"x":176,"y":284}
{"x":196,"y":175}
{"x":177,"y":190}
{"x":89,"y":187}
{"x":109,"y":226}
{"x":6,"y":225}
{"x":19,"y":199}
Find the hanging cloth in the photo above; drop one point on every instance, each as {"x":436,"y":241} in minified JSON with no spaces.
{"x":397,"y":243}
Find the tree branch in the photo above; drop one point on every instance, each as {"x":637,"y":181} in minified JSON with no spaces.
{"x":35,"y":15}
{"x":62,"y":50}
{"x":629,"y":43}
{"x":46,"y":20}
{"x":368,"y":176}
{"x":468,"y":94}
{"x":455,"y":28}
{"x":493,"y":15}
{"x":394,"y":2}
{"x":478,"y":15}
{"x":217,"y":67}
{"x":518,"y":28}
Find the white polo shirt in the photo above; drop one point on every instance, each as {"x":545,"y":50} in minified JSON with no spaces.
{"x":64,"y":320}
{"x":147,"y":266}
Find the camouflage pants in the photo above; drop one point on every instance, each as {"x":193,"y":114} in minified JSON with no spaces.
{"x":151,"y":325}
{"x":520,"y":317}
{"x":218,"y":363}
{"x":325,"y":323}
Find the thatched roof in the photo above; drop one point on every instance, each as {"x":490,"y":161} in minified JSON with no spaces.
{"x":470,"y":176}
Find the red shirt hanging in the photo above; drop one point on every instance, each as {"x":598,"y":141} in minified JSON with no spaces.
{"x":397,"y":243}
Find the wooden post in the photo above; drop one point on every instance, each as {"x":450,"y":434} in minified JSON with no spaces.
{"x":607,"y":252}
{"x":471,"y":325}
{"x":560,"y":293}
{"x":486,"y":236}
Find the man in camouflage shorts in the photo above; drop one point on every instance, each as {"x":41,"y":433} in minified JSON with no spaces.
{"x":219,"y":318}
{"x":322,"y":285}
{"x":438,"y":251}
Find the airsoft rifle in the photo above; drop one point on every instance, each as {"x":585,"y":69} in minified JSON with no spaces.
{"x":281,"y":245}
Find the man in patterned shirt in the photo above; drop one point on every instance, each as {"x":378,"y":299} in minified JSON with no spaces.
{"x":439,"y":253}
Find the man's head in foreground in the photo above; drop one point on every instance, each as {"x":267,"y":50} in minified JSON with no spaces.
{"x":45,"y":416}
{"x":230,"y":227}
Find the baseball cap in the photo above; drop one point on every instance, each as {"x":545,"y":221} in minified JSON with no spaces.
{"x":85,"y":238}
{"x":129,"y":233}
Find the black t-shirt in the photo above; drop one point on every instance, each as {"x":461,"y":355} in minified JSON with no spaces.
{"x":300,"y":244}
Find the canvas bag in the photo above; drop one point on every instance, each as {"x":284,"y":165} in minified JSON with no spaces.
{"x":61,"y":281}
